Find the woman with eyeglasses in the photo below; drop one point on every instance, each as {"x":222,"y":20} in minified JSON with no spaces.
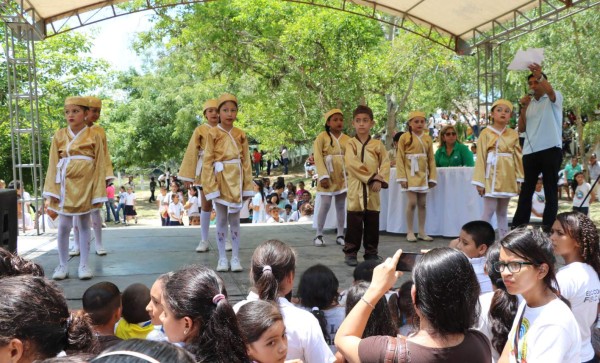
{"x":544,"y":329}
{"x":575,"y":238}
{"x":452,"y":152}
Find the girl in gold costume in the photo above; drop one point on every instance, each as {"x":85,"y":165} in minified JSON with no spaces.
{"x":75,"y":182}
{"x":227,"y":178}
{"x":499,"y":166}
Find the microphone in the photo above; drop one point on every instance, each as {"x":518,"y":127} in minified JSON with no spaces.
{"x":530,"y":93}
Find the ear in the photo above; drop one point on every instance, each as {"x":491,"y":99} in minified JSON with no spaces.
{"x":542,"y":271}
{"x":413,"y":295}
{"x":188,"y":323}
{"x":15,"y":348}
{"x":482,"y":249}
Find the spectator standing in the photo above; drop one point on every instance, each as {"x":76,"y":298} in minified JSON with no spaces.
{"x":581,"y":199}
{"x":152,"y":189}
{"x":540,"y":120}
{"x":110,"y":203}
{"x":284,"y":159}
{"x":256,"y":160}
{"x":122,"y":200}
{"x":570,"y":170}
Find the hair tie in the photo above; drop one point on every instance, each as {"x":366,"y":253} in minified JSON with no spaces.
{"x":267,"y":268}
{"x":315,"y":308}
{"x":217,"y":298}
{"x":128,"y":353}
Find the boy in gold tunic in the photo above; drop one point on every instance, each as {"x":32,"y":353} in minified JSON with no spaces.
{"x":75,"y":181}
{"x":329,"y":148}
{"x":499,"y":165}
{"x":227,"y":178}
{"x":191,"y":167}
{"x":368,"y":169}
{"x":416,"y":172}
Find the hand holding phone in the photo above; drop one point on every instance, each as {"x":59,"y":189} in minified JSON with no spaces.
{"x":407,"y":261}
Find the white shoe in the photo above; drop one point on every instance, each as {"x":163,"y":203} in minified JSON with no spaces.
{"x":85,"y":273}
{"x":202,"y":246}
{"x":318,"y":241}
{"x":228,"y":246}
{"x":74,"y":252}
{"x":61,"y":272}
{"x":340,"y":240}
{"x":236,"y":266}
{"x":223,"y":265}
{"x":103,"y":225}
{"x":101,"y":251}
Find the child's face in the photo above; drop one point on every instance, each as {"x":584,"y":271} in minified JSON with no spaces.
{"x":93,"y":115}
{"x":75,"y":116}
{"x":129,"y":190}
{"x":212,"y":115}
{"x":580,"y":179}
{"x":539,"y":185}
{"x":271,"y":347}
{"x":175,"y":199}
{"x":417,"y":124}
{"x":172,"y":326}
{"x":467,"y":245}
{"x":291,"y":197}
{"x":155,"y":307}
{"x":574,"y":161}
{"x":275,"y":213}
{"x":563,"y":244}
{"x":501,"y":114}
{"x":306,"y":197}
{"x":288,"y":211}
{"x":301,"y":185}
{"x":362,"y":124}
{"x":163,"y":192}
{"x":228,"y":113}
{"x":336,"y":122}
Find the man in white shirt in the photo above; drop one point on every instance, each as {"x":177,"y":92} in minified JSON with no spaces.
{"x":594,"y":171}
{"x":540,"y":119}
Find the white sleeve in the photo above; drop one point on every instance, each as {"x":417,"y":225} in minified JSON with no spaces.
{"x":566,"y":283}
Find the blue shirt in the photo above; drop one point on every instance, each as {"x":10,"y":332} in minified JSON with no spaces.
{"x":544,"y":124}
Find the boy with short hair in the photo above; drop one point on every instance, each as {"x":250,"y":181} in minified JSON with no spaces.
{"x":474,"y":239}
{"x":135,"y":321}
{"x":368,"y":168}
{"x":102,"y":303}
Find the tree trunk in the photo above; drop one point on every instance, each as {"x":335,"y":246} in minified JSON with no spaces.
{"x":390,"y":125}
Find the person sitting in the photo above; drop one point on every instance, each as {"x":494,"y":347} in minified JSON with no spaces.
{"x":135,"y":320}
{"x":309,"y":166}
{"x":143,"y":351}
{"x":538,"y":202}
{"x":262,"y":328}
{"x":452,"y":152}
{"x":445,"y":296}
{"x":274,"y":216}
{"x":102,"y":303}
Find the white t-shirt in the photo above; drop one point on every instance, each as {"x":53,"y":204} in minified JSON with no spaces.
{"x":548,"y":334}
{"x":538,"y":202}
{"x":130,"y":199}
{"x":334,"y":316}
{"x":305,"y":219}
{"x":594,"y":171}
{"x":245,"y":210}
{"x":485,"y":283}
{"x":305,"y":339}
{"x":258,"y":216}
{"x":194,"y":211}
{"x":580,"y":192}
{"x":272,"y":220}
{"x":580,"y":285}
{"x":176,"y":209}
{"x":51,"y":223}
{"x":544,"y":124}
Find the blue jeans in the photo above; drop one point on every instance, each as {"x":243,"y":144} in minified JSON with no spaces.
{"x":285,"y":163}
{"x":110,"y":208}
{"x":121,"y":206}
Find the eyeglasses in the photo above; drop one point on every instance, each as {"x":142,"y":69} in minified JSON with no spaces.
{"x":513,"y":266}
{"x":450,"y":133}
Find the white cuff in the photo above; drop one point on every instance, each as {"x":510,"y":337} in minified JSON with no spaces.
{"x":432,"y":181}
{"x":184,"y":178}
{"x":112,"y":177}
{"x":478,"y":184}
{"x":212,"y":195}
{"x":401,"y":180}
{"x":323,"y":177}
{"x":48,"y":194}
{"x":519,"y":180}
{"x":99,"y":200}
{"x":248,"y":193}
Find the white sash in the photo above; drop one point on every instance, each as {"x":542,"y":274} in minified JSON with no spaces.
{"x":329,"y":162}
{"x":492,"y":160}
{"x":414,"y":162}
{"x":61,"y":173}
{"x":219,"y":164}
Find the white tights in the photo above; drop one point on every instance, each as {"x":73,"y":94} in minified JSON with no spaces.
{"x":96,"y":226}
{"x":340,"y":210}
{"x":65,"y":223}
{"x":500,"y":207}
{"x":224,"y":217}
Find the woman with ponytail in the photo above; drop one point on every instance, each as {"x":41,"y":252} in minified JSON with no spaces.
{"x":544,"y":329}
{"x":575,"y":238}
{"x":198,"y":316}
{"x":329,"y":149}
{"x":272,"y":272}
{"x":35,"y":322}
{"x":498,"y":307}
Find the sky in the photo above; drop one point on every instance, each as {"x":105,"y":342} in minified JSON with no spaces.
{"x":113,"y":39}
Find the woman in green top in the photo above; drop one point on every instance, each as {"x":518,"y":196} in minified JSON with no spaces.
{"x":452,"y":152}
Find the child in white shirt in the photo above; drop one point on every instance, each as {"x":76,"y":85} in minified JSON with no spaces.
{"x":130,"y":212}
{"x":192,"y":207}
{"x":582,"y":190}
{"x":175,"y":211}
{"x":274,"y":215}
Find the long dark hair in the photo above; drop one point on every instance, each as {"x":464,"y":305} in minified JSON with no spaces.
{"x":581,"y":228}
{"x":33,"y":309}
{"x":14,"y":265}
{"x":318,"y":291}
{"x":447,"y":290}
{"x":261,"y":189}
{"x":380,"y":320}
{"x":161,"y":351}
{"x":533,"y":246}
{"x":281,"y":260}
{"x":215,"y":337}
{"x":503,"y":306}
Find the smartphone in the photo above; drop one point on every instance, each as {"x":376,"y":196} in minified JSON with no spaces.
{"x":408,"y":260}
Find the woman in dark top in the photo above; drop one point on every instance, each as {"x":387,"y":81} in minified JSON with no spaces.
{"x":451,"y":152}
{"x":445,"y":295}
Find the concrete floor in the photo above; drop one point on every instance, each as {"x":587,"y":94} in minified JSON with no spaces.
{"x":140,"y":254}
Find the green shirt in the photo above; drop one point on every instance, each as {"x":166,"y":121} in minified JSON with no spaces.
{"x":460,"y":156}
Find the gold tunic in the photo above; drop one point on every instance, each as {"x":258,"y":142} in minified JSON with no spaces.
{"x":363,"y":162}
{"x":110,"y":174}
{"x":415,"y":162}
{"x":191,"y":166}
{"x":226,"y":169}
{"x":329,"y":160}
{"x":499,"y":164}
{"x":76,"y":172}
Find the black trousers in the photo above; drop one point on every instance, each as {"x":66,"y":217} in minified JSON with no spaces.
{"x":548,"y":163}
{"x":362,"y":227}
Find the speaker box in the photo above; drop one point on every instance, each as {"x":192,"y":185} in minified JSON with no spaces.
{"x":8,"y":219}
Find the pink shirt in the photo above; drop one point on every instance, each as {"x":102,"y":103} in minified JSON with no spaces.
{"x":110,"y":192}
